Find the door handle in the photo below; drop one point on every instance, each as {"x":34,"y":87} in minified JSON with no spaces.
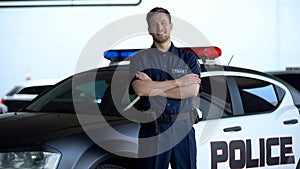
{"x":231,"y":129}
{"x":293,"y":121}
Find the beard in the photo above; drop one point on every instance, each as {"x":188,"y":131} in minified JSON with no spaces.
{"x":160,"y":38}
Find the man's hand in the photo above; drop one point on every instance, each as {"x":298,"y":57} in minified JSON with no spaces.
{"x":188,"y":80}
{"x":145,"y":86}
{"x":142,"y":76}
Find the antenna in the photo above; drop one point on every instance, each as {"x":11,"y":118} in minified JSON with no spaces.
{"x":230,"y":60}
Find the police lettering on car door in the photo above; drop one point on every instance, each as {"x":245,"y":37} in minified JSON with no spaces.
{"x":239,"y":153}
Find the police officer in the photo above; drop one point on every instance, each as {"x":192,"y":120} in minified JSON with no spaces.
{"x":166,"y":79}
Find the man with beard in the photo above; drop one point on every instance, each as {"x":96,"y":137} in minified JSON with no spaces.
{"x":166,"y":79}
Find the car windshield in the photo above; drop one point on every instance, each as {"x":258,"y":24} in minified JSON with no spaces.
{"x":87,"y":92}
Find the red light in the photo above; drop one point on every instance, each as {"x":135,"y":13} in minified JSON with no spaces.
{"x":210,"y":52}
{"x":2,"y":101}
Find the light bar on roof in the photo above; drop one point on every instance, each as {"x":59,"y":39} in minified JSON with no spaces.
{"x":119,"y":54}
{"x":210,"y":52}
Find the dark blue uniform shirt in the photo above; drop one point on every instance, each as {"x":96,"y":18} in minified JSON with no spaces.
{"x":161,"y":66}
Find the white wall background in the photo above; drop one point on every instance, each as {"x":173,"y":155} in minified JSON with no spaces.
{"x":46,"y":42}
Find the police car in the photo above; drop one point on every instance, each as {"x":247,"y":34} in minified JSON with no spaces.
{"x":21,"y":94}
{"x":248,"y":119}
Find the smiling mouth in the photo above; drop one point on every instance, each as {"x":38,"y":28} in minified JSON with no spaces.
{"x":160,"y":33}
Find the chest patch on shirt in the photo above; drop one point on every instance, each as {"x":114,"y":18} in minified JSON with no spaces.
{"x":179,"y":71}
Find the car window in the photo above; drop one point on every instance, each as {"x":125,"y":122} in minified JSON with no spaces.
{"x":258,"y":96}
{"x":84,"y":91}
{"x":215,"y":99}
{"x":34,"y":89}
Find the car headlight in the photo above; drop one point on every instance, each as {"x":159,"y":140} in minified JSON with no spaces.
{"x":29,"y":160}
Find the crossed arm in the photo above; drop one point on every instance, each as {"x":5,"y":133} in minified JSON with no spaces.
{"x":183,"y":87}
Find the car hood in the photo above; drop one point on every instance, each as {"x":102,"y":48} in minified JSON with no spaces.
{"x":29,"y":129}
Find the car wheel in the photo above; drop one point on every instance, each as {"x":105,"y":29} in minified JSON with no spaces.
{"x":109,"y":166}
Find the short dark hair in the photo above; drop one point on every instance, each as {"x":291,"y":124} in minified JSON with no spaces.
{"x":158,"y":10}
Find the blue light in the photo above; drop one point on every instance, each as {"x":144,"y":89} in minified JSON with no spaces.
{"x":119,"y":55}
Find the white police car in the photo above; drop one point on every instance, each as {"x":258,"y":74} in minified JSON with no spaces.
{"x":248,"y":120}
{"x":23,"y":93}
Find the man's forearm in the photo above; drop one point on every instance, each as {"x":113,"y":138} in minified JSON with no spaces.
{"x":182,"y":91}
{"x":153,"y":88}
{"x":184,"y":87}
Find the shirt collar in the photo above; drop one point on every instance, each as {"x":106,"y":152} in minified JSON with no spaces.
{"x":172,"y":48}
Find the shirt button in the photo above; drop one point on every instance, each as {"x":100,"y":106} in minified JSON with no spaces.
{"x":168,"y":104}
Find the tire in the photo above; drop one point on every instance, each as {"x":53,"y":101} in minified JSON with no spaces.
{"x":109,"y":166}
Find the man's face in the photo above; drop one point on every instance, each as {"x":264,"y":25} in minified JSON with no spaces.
{"x":159,"y":27}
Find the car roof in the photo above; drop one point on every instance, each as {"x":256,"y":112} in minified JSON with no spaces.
{"x":38,"y":82}
{"x":204,"y":68}
{"x":32,"y":83}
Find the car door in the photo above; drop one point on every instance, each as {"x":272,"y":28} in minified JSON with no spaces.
{"x":217,"y":128}
{"x":269,"y":125}
{"x":256,"y":128}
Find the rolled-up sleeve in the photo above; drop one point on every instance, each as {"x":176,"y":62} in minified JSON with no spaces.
{"x":135,"y":66}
